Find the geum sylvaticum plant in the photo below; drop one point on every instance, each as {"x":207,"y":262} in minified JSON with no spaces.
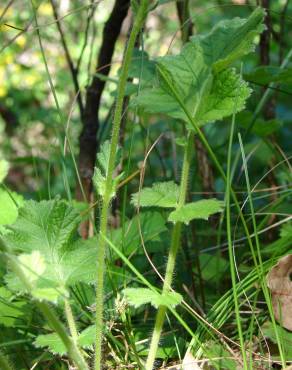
{"x":196,"y":86}
{"x":45,"y":255}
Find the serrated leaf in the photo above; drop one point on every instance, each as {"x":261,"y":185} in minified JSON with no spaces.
{"x":101,"y":170}
{"x":200,"y":75}
{"x":52,"y":341}
{"x":227,"y":96}
{"x":231,"y":39}
{"x":201,"y":209}
{"x":4,"y":168}
{"x":46,"y":229}
{"x":55,"y":345}
{"x":141,"y":296}
{"x":161,"y":194}
{"x":9,"y":206}
{"x":87,"y":337}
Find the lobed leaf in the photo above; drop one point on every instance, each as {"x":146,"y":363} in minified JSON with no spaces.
{"x":55,"y":345}
{"x":200,"y":76}
{"x":51,"y":259}
{"x":201,"y":209}
{"x":161,"y":194}
{"x":141,"y":296}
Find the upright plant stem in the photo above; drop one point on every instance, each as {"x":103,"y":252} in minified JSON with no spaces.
{"x":70,"y":320}
{"x":138,"y":23}
{"x":174,"y":246}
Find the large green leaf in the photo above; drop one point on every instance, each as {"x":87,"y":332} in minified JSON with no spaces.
{"x":161,"y":194}
{"x":52,"y":259}
{"x":201,"y":209}
{"x":231,"y":39}
{"x":200,"y":76}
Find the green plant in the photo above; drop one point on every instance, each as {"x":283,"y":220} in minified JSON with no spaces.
{"x":197,"y":86}
{"x":106,"y":186}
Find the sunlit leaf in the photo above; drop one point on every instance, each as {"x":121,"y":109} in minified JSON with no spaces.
{"x":161,"y":194}
{"x":201,"y":209}
{"x":141,"y":296}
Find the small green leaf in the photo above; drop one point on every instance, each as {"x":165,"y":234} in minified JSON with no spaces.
{"x":140,"y":296}
{"x":10,"y":309}
{"x":55,"y":345}
{"x":9,"y":206}
{"x":4,"y":168}
{"x":87,"y":337}
{"x":161,"y":194}
{"x":52,"y":341}
{"x":201,"y":209}
{"x":101,"y":170}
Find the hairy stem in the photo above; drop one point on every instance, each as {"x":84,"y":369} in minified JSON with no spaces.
{"x":49,"y":314}
{"x":138,"y":23}
{"x":70,"y":320}
{"x":174,"y":246}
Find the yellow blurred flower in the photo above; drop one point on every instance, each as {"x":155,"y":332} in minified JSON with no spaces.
{"x":21,"y":41}
{"x":45,"y":9}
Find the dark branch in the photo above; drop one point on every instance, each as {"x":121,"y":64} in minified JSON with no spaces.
{"x":88,"y":139}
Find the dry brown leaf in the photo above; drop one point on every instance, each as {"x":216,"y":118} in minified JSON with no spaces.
{"x":280,"y":284}
{"x":190,"y":363}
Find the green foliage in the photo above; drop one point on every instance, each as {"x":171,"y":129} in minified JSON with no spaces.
{"x":54,"y":344}
{"x":101,"y":171}
{"x":4,"y":168}
{"x":166,"y":194}
{"x":52,"y":259}
{"x":286,"y":337}
{"x":161,"y":194}
{"x":10,"y":201}
{"x":200,"y":76}
{"x":264,"y":75}
{"x":10,"y":308}
{"x":201,"y":209}
{"x":128,"y":237}
{"x":140,"y":296}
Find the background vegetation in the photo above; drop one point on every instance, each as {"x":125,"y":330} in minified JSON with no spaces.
{"x":62,"y":64}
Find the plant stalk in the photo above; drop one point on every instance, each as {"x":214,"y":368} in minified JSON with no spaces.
{"x":70,"y":320}
{"x":47,"y":311}
{"x":138,"y":24}
{"x":174,"y":246}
